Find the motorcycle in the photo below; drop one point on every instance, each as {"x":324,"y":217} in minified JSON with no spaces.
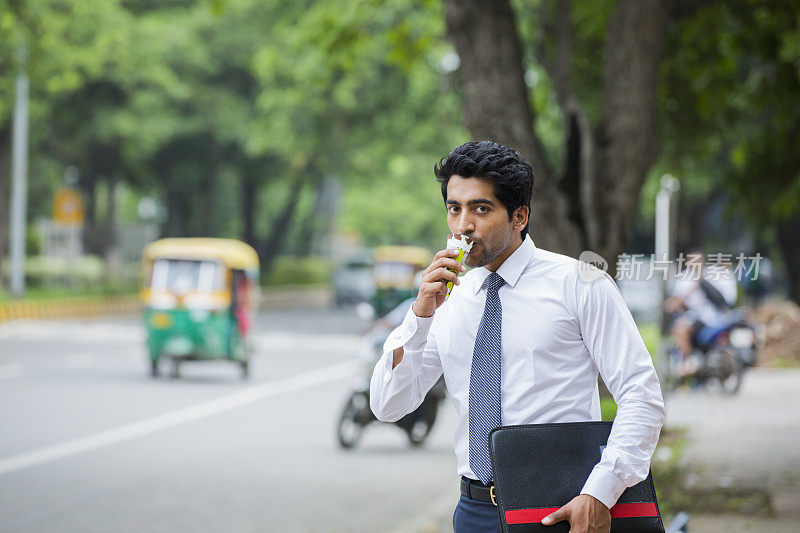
{"x":357,"y":414}
{"x":721,"y":356}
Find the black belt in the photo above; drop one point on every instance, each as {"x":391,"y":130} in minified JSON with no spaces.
{"x":476,"y":490}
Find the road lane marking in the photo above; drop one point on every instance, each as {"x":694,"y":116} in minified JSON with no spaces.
{"x":229,"y":402}
{"x":88,"y":332}
{"x":11,"y":371}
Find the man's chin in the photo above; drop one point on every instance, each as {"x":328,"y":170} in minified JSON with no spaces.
{"x":474,"y":261}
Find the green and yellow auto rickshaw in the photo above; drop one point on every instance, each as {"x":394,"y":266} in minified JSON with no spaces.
{"x":199,"y":298}
{"x":395,"y":270}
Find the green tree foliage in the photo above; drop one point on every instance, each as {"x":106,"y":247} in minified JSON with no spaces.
{"x":354,"y":90}
{"x":731,"y":100}
{"x":230,"y":111}
{"x":731,"y":94}
{"x":242,"y":116}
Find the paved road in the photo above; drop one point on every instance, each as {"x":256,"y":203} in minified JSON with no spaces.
{"x":89,"y":442}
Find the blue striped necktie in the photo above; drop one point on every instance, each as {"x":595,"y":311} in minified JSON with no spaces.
{"x":484,"y":381}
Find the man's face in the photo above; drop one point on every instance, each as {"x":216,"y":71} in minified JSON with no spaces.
{"x":473,"y":209}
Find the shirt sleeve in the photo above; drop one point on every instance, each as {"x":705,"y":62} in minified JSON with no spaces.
{"x":617,"y":349}
{"x":396,"y":392}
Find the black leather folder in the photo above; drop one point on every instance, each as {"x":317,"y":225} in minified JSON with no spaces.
{"x":538,"y":468}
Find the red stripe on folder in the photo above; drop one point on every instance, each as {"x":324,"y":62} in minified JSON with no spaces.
{"x":631,"y":510}
{"x":528,"y":516}
{"x":621,"y":510}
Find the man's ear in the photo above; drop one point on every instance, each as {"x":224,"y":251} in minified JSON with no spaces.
{"x":520,"y":217}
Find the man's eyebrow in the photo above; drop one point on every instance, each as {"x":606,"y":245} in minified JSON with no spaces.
{"x":471,"y":202}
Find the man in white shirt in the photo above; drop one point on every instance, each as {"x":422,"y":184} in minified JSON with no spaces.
{"x":520,"y":340}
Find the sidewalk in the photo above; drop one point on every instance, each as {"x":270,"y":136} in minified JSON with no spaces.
{"x":747,"y":442}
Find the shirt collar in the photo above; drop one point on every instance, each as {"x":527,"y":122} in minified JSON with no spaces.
{"x":512,"y":268}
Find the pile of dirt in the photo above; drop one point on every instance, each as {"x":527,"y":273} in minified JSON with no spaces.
{"x":779,"y":324}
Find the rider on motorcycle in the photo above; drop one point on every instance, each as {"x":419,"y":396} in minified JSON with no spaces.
{"x":701,"y":296}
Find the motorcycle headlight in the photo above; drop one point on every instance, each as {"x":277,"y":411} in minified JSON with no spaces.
{"x":742,"y":337}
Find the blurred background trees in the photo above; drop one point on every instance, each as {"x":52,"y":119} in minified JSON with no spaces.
{"x":308,"y":125}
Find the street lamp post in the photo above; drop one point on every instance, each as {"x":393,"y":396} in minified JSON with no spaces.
{"x":19,"y":183}
{"x":666,"y":204}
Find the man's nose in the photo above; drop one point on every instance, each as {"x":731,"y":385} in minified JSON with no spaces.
{"x":465,"y":223}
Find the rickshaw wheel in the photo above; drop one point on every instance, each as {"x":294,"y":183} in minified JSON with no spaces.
{"x":175,"y":373}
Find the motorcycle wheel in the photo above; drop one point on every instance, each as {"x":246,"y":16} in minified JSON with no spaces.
{"x":728,"y":371}
{"x":421,"y":428}
{"x":349,"y":429}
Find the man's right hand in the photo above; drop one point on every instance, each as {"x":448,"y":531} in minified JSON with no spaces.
{"x":433,"y":289}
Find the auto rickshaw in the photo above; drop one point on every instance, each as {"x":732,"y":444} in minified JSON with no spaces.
{"x":395,"y":270}
{"x":199,"y":297}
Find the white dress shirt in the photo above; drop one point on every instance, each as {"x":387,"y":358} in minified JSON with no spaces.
{"x":557,"y":333}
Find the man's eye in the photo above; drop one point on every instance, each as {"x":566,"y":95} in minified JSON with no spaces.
{"x":452,"y":209}
{"x":481,"y":209}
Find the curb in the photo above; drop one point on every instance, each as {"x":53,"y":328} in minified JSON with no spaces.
{"x":295,"y":298}
{"x":95,"y":306}
{"x":78,"y":307}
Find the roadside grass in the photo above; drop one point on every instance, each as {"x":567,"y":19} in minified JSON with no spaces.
{"x":784,"y":362}
{"x":51,"y":293}
{"x":608,"y":408}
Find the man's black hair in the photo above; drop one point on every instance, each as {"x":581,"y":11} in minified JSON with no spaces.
{"x":510,"y":174}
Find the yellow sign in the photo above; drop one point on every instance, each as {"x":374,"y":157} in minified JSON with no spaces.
{"x":68,"y":208}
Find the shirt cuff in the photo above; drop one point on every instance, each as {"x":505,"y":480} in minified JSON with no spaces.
{"x":604,"y":486}
{"x":411,"y":335}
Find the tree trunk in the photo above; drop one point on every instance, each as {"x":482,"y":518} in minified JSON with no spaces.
{"x":90,"y":232}
{"x":210,"y":221}
{"x":249,"y":192}
{"x":110,"y":250}
{"x":314,"y":219}
{"x":496,"y":107}
{"x":627,"y":131}
{"x":274,"y":242}
{"x":175,"y":223}
{"x":789,"y":242}
{"x":591,"y":203}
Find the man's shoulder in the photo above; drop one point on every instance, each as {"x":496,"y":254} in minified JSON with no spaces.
{"x":578,"y":279}
{"x":552,"y":264}
{"x":552,"y":258}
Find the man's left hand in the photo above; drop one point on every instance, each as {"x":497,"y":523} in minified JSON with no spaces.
{"x":584,"y":513}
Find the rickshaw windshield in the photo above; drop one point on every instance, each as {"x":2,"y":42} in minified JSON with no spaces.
{"x":394,"y":273}
{"x":182,"y":276}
